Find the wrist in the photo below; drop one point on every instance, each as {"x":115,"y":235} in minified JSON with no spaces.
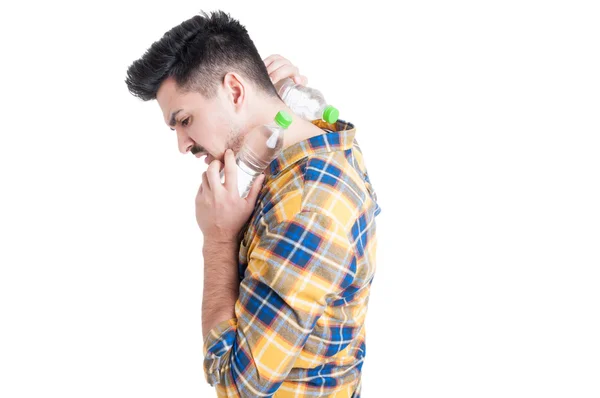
{"x":211,"y":245}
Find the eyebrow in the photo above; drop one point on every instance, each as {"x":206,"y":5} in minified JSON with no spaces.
{"x":172,"y":121}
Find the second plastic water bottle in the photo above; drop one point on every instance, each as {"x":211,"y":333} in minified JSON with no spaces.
{"x":261,"y":146}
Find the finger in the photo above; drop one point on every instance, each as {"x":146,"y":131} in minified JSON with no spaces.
{"x":283,"y":72}
{"x":277,"y":63}
{"x":255,"y":190}
{"x":205,"y":183}
{"x":301,"y":80}
{"x":212,"y":174}
{"x":269,"y":60}
{"x":230,"y":172}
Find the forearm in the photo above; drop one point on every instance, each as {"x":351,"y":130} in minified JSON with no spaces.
{"x":220,"y":283}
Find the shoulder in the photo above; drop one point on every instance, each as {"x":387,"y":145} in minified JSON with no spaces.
{"x":333,"y":187}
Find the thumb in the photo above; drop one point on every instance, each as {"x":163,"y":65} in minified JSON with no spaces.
{"x":254,"y":191}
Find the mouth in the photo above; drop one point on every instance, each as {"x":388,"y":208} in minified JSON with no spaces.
{"x":207,"y":157}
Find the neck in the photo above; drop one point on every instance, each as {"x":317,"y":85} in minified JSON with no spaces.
{"x":298,"y":131}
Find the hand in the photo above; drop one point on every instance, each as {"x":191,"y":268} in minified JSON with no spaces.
{"x":220,"y":212}
{"x":279,"y":68}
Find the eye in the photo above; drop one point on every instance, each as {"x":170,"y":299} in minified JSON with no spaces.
{"x":185,"y":122}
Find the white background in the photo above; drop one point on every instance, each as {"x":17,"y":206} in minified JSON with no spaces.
{"x":479,"y":122}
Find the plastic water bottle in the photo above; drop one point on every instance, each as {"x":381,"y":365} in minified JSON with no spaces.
{"x":306,"y":102}
{"x":261,"y":146}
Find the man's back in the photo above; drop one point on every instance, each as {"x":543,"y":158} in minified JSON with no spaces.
{"x":306,"y":264}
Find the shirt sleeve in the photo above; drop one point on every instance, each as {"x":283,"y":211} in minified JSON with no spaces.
{"x":297,"y":267}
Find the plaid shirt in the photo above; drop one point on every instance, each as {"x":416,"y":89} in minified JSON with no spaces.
{"x":306,"y":264}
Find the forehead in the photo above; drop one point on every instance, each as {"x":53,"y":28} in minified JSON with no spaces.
{"x":171,"y":98}
{"x":168,"y":96}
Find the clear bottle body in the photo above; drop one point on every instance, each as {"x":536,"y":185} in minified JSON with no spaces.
{"x":306,"y":102}
{"x":261,"y":146}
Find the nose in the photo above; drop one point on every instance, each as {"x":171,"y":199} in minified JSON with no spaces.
{"x":184,"y":142}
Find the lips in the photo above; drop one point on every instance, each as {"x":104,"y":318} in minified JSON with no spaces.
{"x":207,"y":158}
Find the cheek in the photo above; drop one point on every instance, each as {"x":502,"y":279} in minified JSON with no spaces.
{"x":201,"y":132}
{"x":195,"y":133}
{"x":206,"y":136}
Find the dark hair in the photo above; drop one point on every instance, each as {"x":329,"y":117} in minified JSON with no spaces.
{"x":198,"y":53}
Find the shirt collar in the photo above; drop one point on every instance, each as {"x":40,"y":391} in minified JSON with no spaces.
{"x":336,"y":137}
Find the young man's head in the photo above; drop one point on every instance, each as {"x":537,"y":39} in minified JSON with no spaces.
{"x":210,"y":83}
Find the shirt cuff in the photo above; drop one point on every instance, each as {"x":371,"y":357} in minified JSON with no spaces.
{"x":217,"y":349}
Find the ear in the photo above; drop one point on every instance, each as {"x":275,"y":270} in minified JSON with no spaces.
{"x":235,"y":87}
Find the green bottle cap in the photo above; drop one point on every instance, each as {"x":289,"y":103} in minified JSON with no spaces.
{"x":283,"y":119}
{"x":331,"y":114}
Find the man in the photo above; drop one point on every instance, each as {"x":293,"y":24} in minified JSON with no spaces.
{"x":288,"y":269}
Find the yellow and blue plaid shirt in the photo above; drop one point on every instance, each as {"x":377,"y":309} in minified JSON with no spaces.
{"x":306,"y":264}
